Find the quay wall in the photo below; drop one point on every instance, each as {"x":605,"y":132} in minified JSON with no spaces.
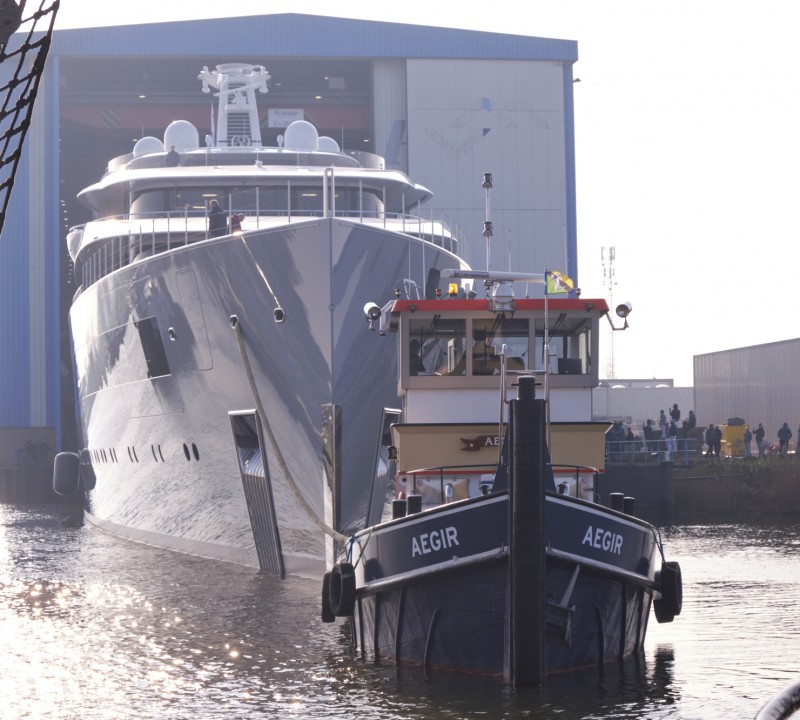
{"x":30,"y":485}
{"x":723,"y":490}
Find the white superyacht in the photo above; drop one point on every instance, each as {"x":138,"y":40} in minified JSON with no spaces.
{"x":229,"y":390}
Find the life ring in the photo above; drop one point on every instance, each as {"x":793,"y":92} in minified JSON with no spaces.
{"x":327,"y":613}
{"x":342,"y":589}
{"x":671,"y":585}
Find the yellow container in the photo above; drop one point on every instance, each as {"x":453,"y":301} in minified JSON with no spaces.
{"x":733,"y":440}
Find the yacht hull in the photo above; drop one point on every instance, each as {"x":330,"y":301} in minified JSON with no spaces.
{"x":176,"y":352}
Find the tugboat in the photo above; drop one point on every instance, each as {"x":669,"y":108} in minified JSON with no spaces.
{"x":493,"y":536}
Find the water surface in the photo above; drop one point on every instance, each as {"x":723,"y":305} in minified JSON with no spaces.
{"x":97,"y":627}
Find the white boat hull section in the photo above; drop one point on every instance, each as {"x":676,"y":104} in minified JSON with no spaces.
{"x":161,"y":444}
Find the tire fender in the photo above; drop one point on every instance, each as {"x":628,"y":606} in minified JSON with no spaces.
{"x":342,"y":589}
{"x":670,"y":584}
{"x":327,"y":612}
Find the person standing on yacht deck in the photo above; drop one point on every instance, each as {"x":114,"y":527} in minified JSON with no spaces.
{"x":173,"y":159}
{"x":217,"y":220}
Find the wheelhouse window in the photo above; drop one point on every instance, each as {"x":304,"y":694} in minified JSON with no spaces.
{"x":437,"y":346}
{"x":473,"y":346}
{"x":569,"y":345}
{"x":488,"y":339}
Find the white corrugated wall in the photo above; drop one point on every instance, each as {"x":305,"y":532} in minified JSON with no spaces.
{"x":760,"y":383}
{"x":640,"y":404}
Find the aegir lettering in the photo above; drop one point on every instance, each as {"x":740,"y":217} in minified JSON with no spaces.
{"x":433,"y":541}
{"x":603,"y":540}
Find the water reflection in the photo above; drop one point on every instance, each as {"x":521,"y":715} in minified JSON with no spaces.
{"x":95,"y":627}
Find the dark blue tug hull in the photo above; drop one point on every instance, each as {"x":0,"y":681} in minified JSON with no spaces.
{"x":432,"y":588}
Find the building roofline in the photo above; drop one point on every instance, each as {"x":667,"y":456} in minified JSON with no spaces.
{"x":299,"y":35}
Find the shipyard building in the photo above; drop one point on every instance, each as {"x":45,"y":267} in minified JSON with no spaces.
{"x":443,"y":105}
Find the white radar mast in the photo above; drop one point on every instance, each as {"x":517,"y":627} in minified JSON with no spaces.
{"x":237,"y":111}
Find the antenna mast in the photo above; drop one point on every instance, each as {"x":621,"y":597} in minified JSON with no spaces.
{"x":607,"y":256}
{"x":487,"y":224}
{"x":237,"y":111}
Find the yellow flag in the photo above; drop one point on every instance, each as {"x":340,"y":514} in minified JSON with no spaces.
{"x":558,"y":283}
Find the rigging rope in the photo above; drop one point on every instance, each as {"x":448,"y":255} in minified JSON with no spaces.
{"x":321,"y":524}
{"x":24,"y":44}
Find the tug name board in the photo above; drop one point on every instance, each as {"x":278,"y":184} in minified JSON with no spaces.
{"x":434,"y":541}
{"x":601,"y":539}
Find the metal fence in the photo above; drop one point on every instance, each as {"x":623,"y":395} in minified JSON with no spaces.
{"x":680,"y":451}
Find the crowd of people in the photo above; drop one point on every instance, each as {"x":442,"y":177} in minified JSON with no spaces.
{"x":765,"y":448}
{"x":664,"y":435}
{"x":670,"y":428}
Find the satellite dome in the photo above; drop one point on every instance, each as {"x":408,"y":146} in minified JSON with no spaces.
{"x":328,"y":144}
{"x":183,"y":135}
{"x":147,"y":146}
{"x":301,"y":136}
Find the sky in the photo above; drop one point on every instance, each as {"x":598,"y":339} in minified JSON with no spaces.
{"x":687,"y":145}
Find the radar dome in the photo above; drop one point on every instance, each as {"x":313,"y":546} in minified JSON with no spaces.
{"x":328,"y":144}
{"x":301,"y":136}
{"x":182,"y":134}
{"x":146,"y":146}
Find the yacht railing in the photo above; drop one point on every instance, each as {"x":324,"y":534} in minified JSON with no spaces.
{"x":135,"y":236}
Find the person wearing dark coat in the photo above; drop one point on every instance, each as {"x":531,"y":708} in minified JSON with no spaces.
{"x":648,"y":435}
{"x":217,"y":220}
{"x":717,"y":440}
{"x":711,"y":438}
{"x":173,"y":159}
{"x":784,"y":435}
{"x":759,"y":436}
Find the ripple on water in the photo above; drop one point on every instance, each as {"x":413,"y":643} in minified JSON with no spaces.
{"x":95,"y":627}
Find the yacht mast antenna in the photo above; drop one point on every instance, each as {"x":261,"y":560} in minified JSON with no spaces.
{"x":237,"y":110}
{"x":487,"y":224}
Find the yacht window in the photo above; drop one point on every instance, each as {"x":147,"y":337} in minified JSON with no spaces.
{"x":270,"y":200}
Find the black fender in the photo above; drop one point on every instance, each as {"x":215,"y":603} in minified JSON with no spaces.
{"x":670,"y":583}
{"x":66,"y":473}
{"x":88,"y":478}
{"x":342,"y":589}
{"x":327,"y":612}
